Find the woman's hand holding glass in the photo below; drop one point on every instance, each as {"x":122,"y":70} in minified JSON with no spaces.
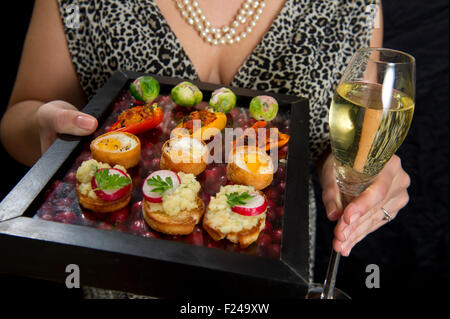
{"x":363,"y":215}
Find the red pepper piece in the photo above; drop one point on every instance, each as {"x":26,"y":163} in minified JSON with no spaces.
{"x":125,"y":123}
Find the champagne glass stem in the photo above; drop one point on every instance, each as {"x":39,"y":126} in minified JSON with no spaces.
{"x":333,"y":264}
{"x":330,"y":280}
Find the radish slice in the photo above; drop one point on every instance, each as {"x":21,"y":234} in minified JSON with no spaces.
{"x":156,"y":197}
{"x":111,"y":194}
{"x":254,"y":206}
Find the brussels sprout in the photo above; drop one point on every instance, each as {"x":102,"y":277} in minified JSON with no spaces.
{"x":223,"y":100}
{"x":145,"y":88}
{"x":186,"y":94}
{"x":263,"y":108}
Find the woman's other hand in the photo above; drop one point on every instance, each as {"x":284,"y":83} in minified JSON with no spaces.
{"x":363,"y":214}
{"x":59,"y":117}
{"x":46,"y":77}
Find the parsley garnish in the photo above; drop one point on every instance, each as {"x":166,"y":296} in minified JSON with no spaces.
{"x":235,"y":198}
{"x":160,"y":186}
{"x":106,"y":181}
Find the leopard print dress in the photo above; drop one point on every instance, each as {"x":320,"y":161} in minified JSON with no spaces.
{"x":304,"y":52}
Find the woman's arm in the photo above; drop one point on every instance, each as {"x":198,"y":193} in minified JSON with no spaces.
{"x":377,"y":34}
{"x":47,"y":94}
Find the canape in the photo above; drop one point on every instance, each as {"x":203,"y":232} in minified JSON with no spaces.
{"x":102,"y":188}
{"x":250,"y":166}
{"x":138,"y":119}
{"x":184,"y":154}
{"x":117,"y":148}
{"x":171,"y":202}
{"x":273,"y":137}
{"x":237,"y":213}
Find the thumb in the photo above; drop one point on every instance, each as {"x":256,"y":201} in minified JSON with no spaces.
{"x":331,"y":198}
{"x":330,"y":191}
{"x":63,"y":118}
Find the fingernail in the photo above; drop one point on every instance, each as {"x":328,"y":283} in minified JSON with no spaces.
{"x":346,"y":253}
{"x":349,"y":250}
{"x":85,"y":122}
{"x":345,"y":250}
{"x":333,"y":215}
{"x":330,"y":208}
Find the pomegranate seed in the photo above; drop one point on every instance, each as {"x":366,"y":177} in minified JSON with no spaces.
{"x":268,"y":227}
{"x":147,"y":153}
{"x":63,"y":203}
{"x":137,"y":207}
{"x":272,"y":194}
{"x":282,"y":152}
{"x":119,"y":216}
{"x":138,"y":227}
{"x":271,"y":215}
{"x":211,"y":174}
{"x":206,"y":198}
{"x":71,"y":178}
{"x":195,"y":238}
{"x":281,"y":187}
{"x":240,"y":122}
{"x":46,"y":216}
{"x":264,"y":240}
{"x":251,"y":122}
{"x":45,"y":208}
{"x":66,"y":217}
{"x":271,"y":204}
{"x":234,"y":112}
{"x":281,"y":172}
{"x":155,"y":164}
{"x":276,"y":236}
{"x":150,"y":234}
{"x":122,"y":228}
{"x":104,"y":225}
{"x":88,"y":217}
{"x":280,"y":211}
{"x":222,"y":180}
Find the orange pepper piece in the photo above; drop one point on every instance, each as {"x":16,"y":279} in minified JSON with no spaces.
{"x":282,"y":138}
{"x":207,"y":131}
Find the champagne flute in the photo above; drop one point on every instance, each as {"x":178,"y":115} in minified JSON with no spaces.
{"x":370,"y":116}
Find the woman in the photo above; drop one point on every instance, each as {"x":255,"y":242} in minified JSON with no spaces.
{"x":297,"y":47}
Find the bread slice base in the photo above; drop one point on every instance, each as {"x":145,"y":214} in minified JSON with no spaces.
{"x":102,"y":206}
{"x":181,"y":224}
{"x":244,"y":238}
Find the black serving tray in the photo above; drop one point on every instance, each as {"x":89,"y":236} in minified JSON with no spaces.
{"x":161,"y":268}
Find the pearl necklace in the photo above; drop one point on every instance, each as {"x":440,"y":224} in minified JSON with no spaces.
{"x":248,"y":14}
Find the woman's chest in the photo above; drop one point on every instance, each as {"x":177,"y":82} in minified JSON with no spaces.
{"x":219,"y":63}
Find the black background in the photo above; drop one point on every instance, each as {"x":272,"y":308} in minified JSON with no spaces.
{"x":412,"y":251}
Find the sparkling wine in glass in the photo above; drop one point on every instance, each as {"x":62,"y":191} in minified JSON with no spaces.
{"x":370,"y":116}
